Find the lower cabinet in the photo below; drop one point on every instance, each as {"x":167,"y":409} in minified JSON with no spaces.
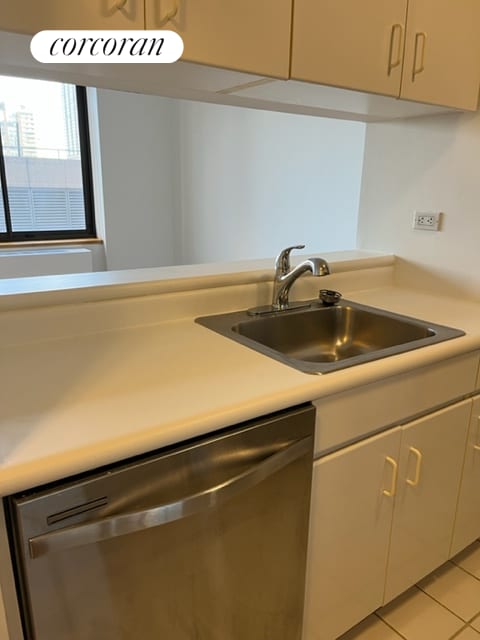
{"x":382,"y":518}
{"x":352,"y":505}
{"x":430,"y":467}
{"x":467,"y":521}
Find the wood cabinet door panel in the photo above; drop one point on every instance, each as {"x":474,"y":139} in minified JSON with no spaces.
{"x":246,"y":36}
{"x":442,"y":53}
{"x":431,"y":460}
{"x":467,"y":520}
{"x":346,"y":43}
{"x":25,"y":16}
{"x":349,"y":532}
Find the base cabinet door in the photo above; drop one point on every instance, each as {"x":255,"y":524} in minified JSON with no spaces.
{"x":352,"y":503}
{"x":467,"y":520}
{"x":430,"y":468}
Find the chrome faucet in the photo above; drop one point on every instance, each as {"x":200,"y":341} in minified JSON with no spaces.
{"x":285,"y":277}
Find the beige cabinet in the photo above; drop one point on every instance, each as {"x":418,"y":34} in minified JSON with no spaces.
{"x":423,"y":50}
{"x":442,"y":53}
{"x":382,"y":518}
{"x":246,"y":36}
{"x":430,"y":468}
{"x":352,"y":503}
{"x":346,"y":43}
{"x":467,"y":520}
{"x":25,"y":16}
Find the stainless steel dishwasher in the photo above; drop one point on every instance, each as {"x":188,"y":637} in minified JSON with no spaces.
{"x":203,"y":541}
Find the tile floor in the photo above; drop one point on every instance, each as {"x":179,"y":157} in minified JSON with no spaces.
{"x":443,"y":606}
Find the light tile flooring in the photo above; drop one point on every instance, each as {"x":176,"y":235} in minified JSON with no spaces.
{"x":443,"y":606}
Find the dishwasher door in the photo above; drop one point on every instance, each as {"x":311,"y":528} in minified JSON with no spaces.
{"x":205,"y":541}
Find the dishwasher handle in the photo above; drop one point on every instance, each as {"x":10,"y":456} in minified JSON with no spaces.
{"x":122,"y":524}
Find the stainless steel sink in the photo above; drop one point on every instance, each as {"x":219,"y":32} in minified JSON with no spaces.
{"x":320,"y":339}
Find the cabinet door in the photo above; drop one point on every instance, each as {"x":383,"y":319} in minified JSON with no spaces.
{"x":25,"y":16}
{"x":431,"y":461}
{"x":352,"y":504}
{"x":247,"y":36}
{"x":442,"y":53}
{"x":347,"y":43}
{"x":467,"y":520}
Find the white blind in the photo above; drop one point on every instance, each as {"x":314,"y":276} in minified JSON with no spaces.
{"x":46,"y":209}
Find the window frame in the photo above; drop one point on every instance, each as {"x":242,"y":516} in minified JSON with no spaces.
{"x":9,"y":235}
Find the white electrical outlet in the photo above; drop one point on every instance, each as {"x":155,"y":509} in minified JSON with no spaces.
{"x":426,"y":220}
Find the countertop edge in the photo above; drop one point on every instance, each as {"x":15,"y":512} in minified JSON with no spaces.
{"x":17,"y":293}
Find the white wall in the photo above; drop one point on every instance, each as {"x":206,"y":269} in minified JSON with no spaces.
{"x":179,"y":182}
{"x":186,"y":182}
{"x":139,"y":166}
{"x":428,"y":164}
{"x":253,"y":182}
{"x":18,"y":263}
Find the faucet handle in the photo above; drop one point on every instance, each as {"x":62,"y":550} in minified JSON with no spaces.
{"x":282,"y":263}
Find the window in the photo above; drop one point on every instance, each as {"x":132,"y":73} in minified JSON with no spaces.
{"x":45,"y":167}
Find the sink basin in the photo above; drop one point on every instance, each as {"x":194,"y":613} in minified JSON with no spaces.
{"x":319,"y":339}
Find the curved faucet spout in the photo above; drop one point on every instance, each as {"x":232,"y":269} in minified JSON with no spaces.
{"x":284,"y":279}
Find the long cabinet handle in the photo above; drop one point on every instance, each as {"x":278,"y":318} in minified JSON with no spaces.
{"x":421,"y":36}
{"x":168,"y":16}
{"x":124,"y":523}
{"x":392,"y":64}
{"x":419,"y":457}
{"x":393,"y":487}
{"x":477,"y":446}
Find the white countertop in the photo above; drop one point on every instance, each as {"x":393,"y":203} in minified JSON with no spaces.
{"x":101,"y":285}
{"x":92,"y":394}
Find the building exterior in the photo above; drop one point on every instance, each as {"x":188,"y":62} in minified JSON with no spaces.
{"x":18,"y":132}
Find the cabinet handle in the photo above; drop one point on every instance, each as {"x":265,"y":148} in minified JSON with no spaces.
{"x":420,"y":36}
{"x":418,"y":455}
{"x":168,"y":16}
{"x":477,"y":446}
{"x":393,"y":488}
{"x":396,"y":28}
{"x":120,"y":4}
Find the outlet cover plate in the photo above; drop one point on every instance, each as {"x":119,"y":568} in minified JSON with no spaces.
{"x":426,"y":220}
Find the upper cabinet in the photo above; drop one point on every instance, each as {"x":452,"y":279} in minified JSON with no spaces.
{"x":351,"y":44}
{"x":25,"y":16}
{"x":423,"y":50}
{"x":442,"y":53}
{"x":246,"y":36}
